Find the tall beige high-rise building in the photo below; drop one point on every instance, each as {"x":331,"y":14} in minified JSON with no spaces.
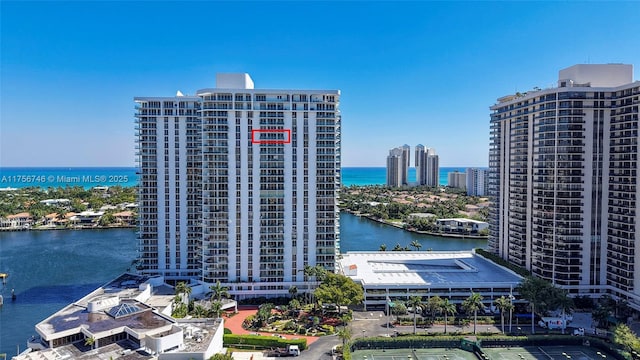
{"x":427,"y":166}
{"x":395,"y":167}
{"x":564,"y":184}
{"x":239,"y":185}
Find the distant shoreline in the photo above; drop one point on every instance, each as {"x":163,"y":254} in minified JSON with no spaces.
{"x":69,"y":228}
{"x":442,"y":235}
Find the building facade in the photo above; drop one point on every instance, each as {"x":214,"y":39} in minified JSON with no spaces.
{"x":427,"y":166}
{"x":397,"y":171}
{"x":563,"y":181}
{"x":432,"y":163}
{"x":477,"y":184}
{"x":457,"y":179}
{"x":239,"y":185}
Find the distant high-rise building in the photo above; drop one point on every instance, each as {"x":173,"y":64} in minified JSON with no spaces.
{"x":406,"y":163}
{"x":395,"y":167}
{"x":477,"y":184}
{"x":421,"y":165}
{"x":239,"y":185}
{"x":432,"y":177}
{"x":427,"y":167}
{"x":563,"y":181}
{"x":457,"y":179}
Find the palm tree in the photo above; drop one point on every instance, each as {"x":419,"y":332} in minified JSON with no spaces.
{"x":416,"y":245}
{"x":216,"y":309}
{"x":199,"y":311}
{"x":447,"y":308}
{"x":415,"y":302}
{"x":539,"y":294}
{"x":218,"y":291}
{"x":182,"y":289}
{"x":503,"y":304}
{"x":472,"y":304}
{"x":345,"y":335}
{"x":90,"y":341}
{"x":563,"y":302}
{"x":293,"y":291}
{"x":383,"y":247}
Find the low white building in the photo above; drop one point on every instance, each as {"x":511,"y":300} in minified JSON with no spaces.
{"x":461,"y":225}
{"x":124,"y":317}
{"x":397,"y":275}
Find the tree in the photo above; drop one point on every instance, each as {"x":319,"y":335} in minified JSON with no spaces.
{"x":183,"y":289}
{"x":339,"y":290}
{"x":90,"y":341}
{"x":218,"y":291}
{"x":472,"y":304}
{"x":415,"y":244}
{"x":447,"y":308}
{"x":216,"y":309}
{"x":562,"y":301}
{"x":199,"y":311}
{"x":383,"y":247}
{"x":221,"y":357}
{"x":345,"y":335}
{"x":293,"y":291}
{"x":317,"y":274}
{"x":433,"y":305}
{"x":415,"y":302}
{"x":539,"y":294}
{"x":503,"y":304}
{"x":623,"y":336}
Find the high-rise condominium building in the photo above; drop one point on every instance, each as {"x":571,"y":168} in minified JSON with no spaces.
{"x":421,"y":166}
{"x":396,"y":167}
{"x":457,"y":179}
{"x":398,"y":163}
{"x":477,"y":184}
{"x":427,"y":167}
{"x":564,"y":181}
{"x":406,"y":158}
{"x":239,"y":185}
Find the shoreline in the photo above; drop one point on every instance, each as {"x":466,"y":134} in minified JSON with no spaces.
{"x":443,"y":235}
{"x":70,"y":228}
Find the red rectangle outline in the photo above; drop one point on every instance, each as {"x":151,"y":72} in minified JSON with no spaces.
{"x":254,"y":141}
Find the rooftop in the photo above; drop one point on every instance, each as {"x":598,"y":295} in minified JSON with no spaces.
{"x":425,"y":269}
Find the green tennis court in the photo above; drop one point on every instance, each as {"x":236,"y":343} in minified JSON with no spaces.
{"x":546,"y":353}
{"x":417,"y":354}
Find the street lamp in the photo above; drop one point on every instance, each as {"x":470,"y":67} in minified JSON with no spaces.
{"x":511,"y":298}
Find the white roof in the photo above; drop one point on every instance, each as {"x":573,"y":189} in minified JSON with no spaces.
{"x":447,"y":269}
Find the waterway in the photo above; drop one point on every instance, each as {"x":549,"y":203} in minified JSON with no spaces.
{"x":50,"y":269}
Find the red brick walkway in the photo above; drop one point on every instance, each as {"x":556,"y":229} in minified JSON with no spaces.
{"x":234,"y":324}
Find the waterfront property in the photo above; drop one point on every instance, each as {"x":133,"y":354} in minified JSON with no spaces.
{"x":563,"y":178}
{"x":23,"y":220}
{"x":127,"y":316}
{"x":461,"y":226}
{"x":239,"y":185}
{"x":448,"y":274}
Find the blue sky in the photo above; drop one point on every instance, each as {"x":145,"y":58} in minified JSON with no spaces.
{"x":409,"y":72}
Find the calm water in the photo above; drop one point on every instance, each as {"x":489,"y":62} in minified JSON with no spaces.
{"x":88,"y":177}
{"x":50,"y":269}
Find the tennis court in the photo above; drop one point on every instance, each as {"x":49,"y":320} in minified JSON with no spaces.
{"x":417,"y":354}
{"x":545,"y":353}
